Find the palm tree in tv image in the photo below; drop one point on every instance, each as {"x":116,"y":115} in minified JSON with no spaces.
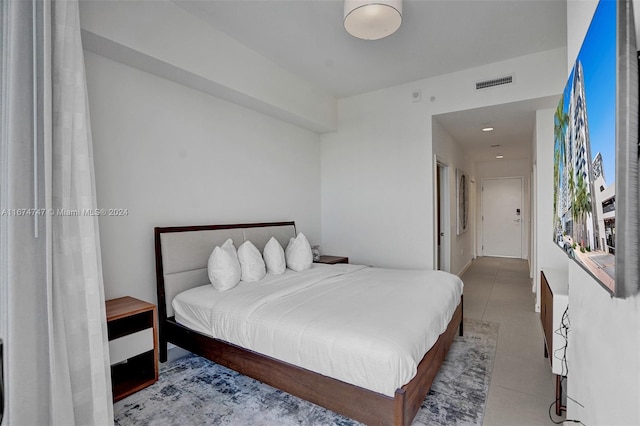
{"x":561,"y":121}
{"x":581,"y":209}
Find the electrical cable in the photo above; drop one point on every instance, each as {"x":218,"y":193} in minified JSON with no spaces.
{"x":563,"y":331}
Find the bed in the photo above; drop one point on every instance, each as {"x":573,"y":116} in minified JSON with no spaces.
{"x":337,"y":374}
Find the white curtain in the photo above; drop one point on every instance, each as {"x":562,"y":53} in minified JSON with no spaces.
{"x":54,"y":326}
{"x":23,"y":290}
{"x":81,"y":385}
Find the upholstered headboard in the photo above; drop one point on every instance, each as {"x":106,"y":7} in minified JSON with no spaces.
{"x":182,"y":253}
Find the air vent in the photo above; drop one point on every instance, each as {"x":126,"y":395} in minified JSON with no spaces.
{"x":500,"y":81}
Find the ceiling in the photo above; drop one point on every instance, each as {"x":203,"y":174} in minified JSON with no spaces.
{"x":513,"y":124}
{"x":436,"y":37}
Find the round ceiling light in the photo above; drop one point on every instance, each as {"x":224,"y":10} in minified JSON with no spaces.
{"x":372,"y":19}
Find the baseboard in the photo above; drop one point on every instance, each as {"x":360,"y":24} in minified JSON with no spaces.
{"x":465,"y":267}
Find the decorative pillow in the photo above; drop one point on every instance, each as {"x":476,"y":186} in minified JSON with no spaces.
{"x":298,"y":253}
{"x":274,"y":257}
{"x":224,"y":267}
{"x":251,"y":264}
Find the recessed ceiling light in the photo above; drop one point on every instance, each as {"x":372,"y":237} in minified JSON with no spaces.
{"x":487,"y":129}
{"x":499,"y":156}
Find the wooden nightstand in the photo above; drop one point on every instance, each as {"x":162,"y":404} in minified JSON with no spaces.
{"x":553,"y":304}
{"x":133,"y":345}
{"x":332,"y":260}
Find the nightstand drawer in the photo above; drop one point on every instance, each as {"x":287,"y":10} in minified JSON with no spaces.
{"x":126,"y":325}
{"x":128,"y":346}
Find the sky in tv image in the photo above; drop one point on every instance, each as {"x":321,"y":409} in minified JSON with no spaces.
{"x":598,"y":58}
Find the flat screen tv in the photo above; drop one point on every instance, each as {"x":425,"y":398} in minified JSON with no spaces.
{"x":595,"y":208}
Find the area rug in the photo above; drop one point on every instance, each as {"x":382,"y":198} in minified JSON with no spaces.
{"x":195,"y":391}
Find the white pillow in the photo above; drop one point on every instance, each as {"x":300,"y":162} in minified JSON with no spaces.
{"x":274,"y":257}
{"x":298,"y":253}
{"x":224,"y":267}
{"x":251,"y":264}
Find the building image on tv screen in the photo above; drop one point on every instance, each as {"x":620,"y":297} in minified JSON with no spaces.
{"x":584,"y":152}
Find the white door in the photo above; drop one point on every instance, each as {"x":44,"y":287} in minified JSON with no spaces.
{"x":502,"y":217}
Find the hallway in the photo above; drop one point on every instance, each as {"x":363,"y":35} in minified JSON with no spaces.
{"x":522,"y":386}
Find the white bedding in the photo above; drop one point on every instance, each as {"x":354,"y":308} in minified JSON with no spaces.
{"x":366,"y":326}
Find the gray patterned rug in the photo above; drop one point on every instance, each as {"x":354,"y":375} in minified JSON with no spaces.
{"x":195,"y":391}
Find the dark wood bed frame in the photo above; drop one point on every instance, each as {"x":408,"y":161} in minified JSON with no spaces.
{"x":360,"y":404}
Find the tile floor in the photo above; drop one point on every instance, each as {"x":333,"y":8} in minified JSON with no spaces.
{"x":522,"y":386}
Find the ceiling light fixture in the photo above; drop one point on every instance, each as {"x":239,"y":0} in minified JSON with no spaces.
{"x":372,"y":19}
{"x":499,"y":156}
{"x":487,"y":129}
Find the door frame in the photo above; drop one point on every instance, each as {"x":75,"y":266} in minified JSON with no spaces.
{"x":522,"y":209}
{"x":441,"y":198}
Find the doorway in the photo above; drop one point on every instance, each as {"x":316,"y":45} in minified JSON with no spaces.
{"x":502,"y":215}
{"x":442,"y":216}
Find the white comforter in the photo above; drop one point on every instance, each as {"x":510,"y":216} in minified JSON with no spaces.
{"x":366,"y":326}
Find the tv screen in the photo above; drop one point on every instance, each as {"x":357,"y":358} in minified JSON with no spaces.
{"x":595,"y":208}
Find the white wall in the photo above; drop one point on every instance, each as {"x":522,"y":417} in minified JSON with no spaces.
{"x":449,"y":152}
{"x":376,"y":182}
{"x":377,"y":171}
{"x":163,"y":38}
{"x":504,"y":169}
{"x":603,"y":354}
{"x":172,"y":155}
{"x":548,"y":255}
{"x":604,"y":341}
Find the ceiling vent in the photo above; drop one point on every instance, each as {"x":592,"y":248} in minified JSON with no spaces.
{"x":500,"y":81}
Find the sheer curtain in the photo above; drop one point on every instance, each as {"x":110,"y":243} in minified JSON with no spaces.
{"x":81,"y":385}
{"x":56,"y":338}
